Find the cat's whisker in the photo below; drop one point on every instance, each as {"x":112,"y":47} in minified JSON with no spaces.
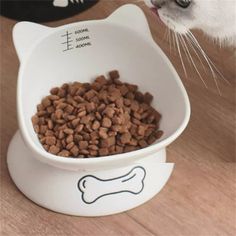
{"x":216,"y":69}
{"x":194,"y":50}
{"x":165,"y":37}
{"x":184,"y":48}
{"x":173,"y":40}
{"x":195,"y":67}
{"x":169,"y":39}
{"x":195,"y":42}
{"x":180,"y":54}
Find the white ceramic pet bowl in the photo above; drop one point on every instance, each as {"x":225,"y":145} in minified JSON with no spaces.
{"x":81,"y":51}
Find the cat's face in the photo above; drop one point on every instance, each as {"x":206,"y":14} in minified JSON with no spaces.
{"x":182,"y":15}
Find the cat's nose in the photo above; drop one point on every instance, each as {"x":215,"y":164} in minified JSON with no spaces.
{"x":158,"y":3}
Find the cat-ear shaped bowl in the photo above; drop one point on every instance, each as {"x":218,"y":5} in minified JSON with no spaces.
{"x":81,"y":51}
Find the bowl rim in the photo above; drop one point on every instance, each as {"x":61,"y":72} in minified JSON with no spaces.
{"x":134,"y":155}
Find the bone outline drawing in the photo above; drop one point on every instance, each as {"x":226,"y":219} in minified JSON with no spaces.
{"x":132,"y":182}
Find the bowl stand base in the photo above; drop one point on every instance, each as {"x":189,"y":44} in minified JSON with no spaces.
{"x":86,"y":193}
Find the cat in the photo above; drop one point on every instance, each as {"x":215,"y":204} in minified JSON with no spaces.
{"x":216,"y":18}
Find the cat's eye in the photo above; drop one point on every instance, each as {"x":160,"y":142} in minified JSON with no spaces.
{"x":183,"y":3}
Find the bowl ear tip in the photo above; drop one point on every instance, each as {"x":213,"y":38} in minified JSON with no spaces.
{"x":25,"y":34}
{"x":132,"y":17}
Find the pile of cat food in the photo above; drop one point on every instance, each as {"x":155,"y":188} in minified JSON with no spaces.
{"x":101,"y":118}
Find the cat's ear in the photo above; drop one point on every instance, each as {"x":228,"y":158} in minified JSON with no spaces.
{"x":132,"y":17}
{"x":25,"y":34}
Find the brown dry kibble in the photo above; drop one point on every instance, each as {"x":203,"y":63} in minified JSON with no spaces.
{"x":70,"y":145}
{"x":59,"y":144}
{"x":68,"y":131}
{"x":85,"y":120}
{"x":109,"y":111}
{"x":83,"y":145}
{"x":132,"y":87}
{"x":103,"y":151}
{"x":36,"y":129}
{"x":79,"y":128}
{"x":101,"y":80}
{"x":46,"y":102}
{"x":50,"y":109}
{"x":90,"y":94}
{"x":106,"y":122}
{"x":103,"y":133}
{"x":93,"y":153}
{"x":130,"y":96}
{"x":127,"y":102}
{"x":45,"y":146}
{"x":54,"y":91}
{"x":159,"y":134}
{"x":71,"y":117}
{"x":114,"y":74}
{"x":93,"y":147}
{"x":35,"y":120}
{"x":43,"y":129}
{"x":50,"y":124}
{"x":148,"y":98}
{"x":141,"y":130}
{"x":53,"y":97}
{"x":61,"y":105}
{"x":143,"y":143}
{"x":108,"y":142}
{"x":129,"y":148}
{"x":94,"y":136}
{"x":40,"y":107}
{"x":103,"y":118}
{"x":41,"y":113}
{"x":64,"y":153}
{"x":69,"y":138}
{"x":119,"y":149}
{"x":90,"y":107}
{"x":96,"y":86}
{"x":133,"y":142}
{"x":82,"y":113}
{"x":134,"y":105}
{"x":75,"y":151}
{"x":125,"y":138}
{"x":116,"y":120}
{"x":84,"y":152}
{"x":49,"y":133}
{"x":78,"y":138}
{"x":151,"y":139}
{"x":69,"y":109}
{"x":58,"y":114}
{"x":50,"y":140}
{"x":75,"y":122}
{"x":96,"y":125}
{"x":54,"y":149}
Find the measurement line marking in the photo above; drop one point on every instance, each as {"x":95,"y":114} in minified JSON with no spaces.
{"x":68,"y":41}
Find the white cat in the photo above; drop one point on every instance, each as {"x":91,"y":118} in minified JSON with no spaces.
{"x":216,"y":18}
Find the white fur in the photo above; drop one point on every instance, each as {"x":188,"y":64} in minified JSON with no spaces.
{"x":216,"y":18}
